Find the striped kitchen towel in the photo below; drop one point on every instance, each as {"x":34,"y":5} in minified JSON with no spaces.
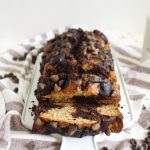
{"x":16,"y":67}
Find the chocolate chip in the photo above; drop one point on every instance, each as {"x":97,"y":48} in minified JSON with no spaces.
{"x":8,"y":75}
{"x":15,"y":58}
{"x":105,"y":88}
{"x":60,"y":83}
{"x":96,"y":127}
{"x":107,"y":132}
{"x":133,"y":142}
{"x":57,"y":59}
{"x":145,"y":146}
{"x":41,"y":86}
{"x":104,"y":148}
{"x":1,"y":77}
{"x":143,"y":108}
{"x":31,"y":48}
{"x":139,"y":148}
{"x":148,"y":134}
{"x":133,"y":147}
{"x":147,"y":140}
{"x":54,"y":124}
{"x":23,"y":57}
{"x":72,"y":129}
{"x":62,"y":76}
{"x":57,"y":88}
{"x":104,"y":38}
{"x":67,"y":83}
{"x":15,"y":79}
{"x":16,"y":90}
{"x":54,"y":77}
{"x":113,"y":94}
{"x":39,"y":122}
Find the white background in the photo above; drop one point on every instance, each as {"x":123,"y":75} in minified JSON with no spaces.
{"x":22,"y":19}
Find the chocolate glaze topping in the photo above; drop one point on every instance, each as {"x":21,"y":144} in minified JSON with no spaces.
{"x":70,"y":56}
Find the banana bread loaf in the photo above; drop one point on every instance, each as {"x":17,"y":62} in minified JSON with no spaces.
{"x":78,"y":66}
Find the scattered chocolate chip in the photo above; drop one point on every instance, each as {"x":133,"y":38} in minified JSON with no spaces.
{"x":133,"y":142}
{"x":133,"y":147}
{"x":8,"y":75}
{"x":23,"y":57}
{"x":143,"y":108}
{"x":121,"y":107}
{"x":32,"y":101}
{"x":145,"y":146}
{"x":15,"y":79}
{"x":104,"y":148}
{"x":31,"y":48}
{"x":16,"y":90}
{"x":139,"y":148}
{"x":30,"y":108}
{"x":15,"y":58}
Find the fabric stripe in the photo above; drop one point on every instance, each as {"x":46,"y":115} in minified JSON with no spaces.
{"x":14,"y":53}
{"x":127,"y":61}
{"x":29,"y":144}
{"x":3,"y":60}
{"x":136,"y":97}
{"x":13,"y":105}
{"x":142,"y":69}
{"x":15,"y":124}
{"x":123,"y":52}
{"x":139,"y":83}
{"x":10,"y":69}
{"x":135,"y":48}
{"x":2,"y":87}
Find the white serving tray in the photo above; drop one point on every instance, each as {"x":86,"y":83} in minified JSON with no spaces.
{"x":87,"y":142}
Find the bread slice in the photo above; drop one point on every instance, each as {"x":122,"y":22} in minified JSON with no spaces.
{"x":77,"y":119}
{"x":77,"y":65}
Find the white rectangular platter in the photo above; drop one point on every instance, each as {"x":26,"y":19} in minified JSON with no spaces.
{"x":125,"y":106}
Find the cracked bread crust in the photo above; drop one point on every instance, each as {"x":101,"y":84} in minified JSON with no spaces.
{"x":78,"y":65}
